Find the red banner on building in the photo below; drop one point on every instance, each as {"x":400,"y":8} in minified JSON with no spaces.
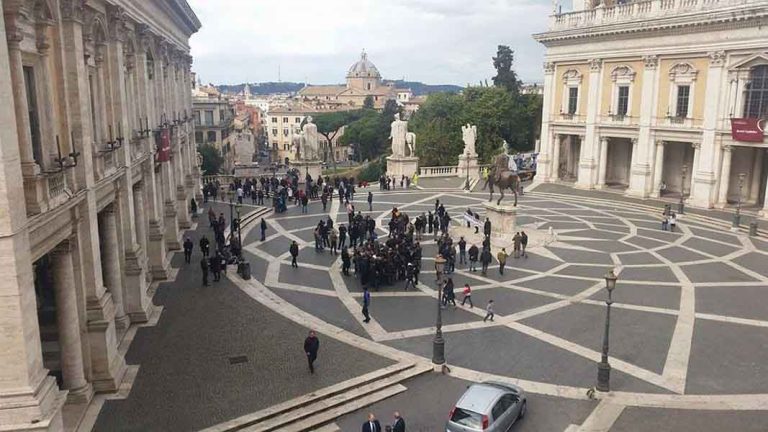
{"x":163,"y":138}
{"x":747,"y":129}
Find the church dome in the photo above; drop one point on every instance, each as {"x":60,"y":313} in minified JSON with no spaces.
{"x":363,"y":68}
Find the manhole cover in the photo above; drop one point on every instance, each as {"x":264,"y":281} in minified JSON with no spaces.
{"x":238,"y":359}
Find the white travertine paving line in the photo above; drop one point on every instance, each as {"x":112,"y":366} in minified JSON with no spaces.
{"x":602,"y":418}
{"x":282,"y":231}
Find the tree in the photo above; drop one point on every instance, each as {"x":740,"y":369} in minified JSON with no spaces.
{"x":212,"y":159}
{"x":368,"y":102}
{"x":369,"y":134}
{"x":329,"y":124}
{"x":505,"y":75}
{"x":437,"y":125}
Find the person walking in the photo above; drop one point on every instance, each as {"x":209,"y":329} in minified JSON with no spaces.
{"x":473,"y":255}
{"x":342,"y":236}
{"x":304,"y":203}
{"x":467,"y":296}
{"x":205,"y":246}
{"x":346,"y":261}
{"x":523,"y":243}
{"x":372,"y":425}
{"x":215,"y":265}
{"x":485,"y":260}
{"x":516,"y":240}
{"x":263,"y":229}
{"x":311,"y":346}
{"x":366,"y":304}
{"x":672,"y":222}
{"x":410,"y":274}
{"x":334,"y":239}
{"x":487,"y":227}
{"x":489,"y":311}
{"x":462,"y":251}
{"x":399,"y":424}
{"x":370,"y":201}
{"x":502,"y":257}
{"x":294,"y":250}
{"x":188,"y":245}
{"x":448,"y":294}
{"x":204,"y":268}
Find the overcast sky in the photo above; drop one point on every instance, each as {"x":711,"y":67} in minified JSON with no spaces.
{"x":433,"y":41}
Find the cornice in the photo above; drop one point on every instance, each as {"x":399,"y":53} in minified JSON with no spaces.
{"x":756,"y":16}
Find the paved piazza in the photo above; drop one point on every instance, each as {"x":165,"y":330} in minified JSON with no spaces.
{"x":688,"y":330}
{"x":688,"y":326}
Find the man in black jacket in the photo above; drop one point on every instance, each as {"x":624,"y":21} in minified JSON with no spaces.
{"x":188,"y":245}
{"x":311,"y":346}
{"x":399,"y":425}
{"x":294,"y":250}
{"x":204,"y":268}
{"x":372,"y":425}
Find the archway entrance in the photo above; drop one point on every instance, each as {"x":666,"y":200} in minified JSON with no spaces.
{"x":570,"y":153}
{"x":676,"y":156}
{"x":618,"y":162}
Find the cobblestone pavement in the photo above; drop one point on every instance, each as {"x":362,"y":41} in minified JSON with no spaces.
{"x":688,"y":329}
{"x":185,"y":380}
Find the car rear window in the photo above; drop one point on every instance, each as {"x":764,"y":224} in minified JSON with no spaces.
{"x":467,"y":418}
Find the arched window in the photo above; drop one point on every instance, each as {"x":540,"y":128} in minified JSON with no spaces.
{"x":756,"y":100}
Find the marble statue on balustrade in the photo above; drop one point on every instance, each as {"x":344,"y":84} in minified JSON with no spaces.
{"x":296,"y":146}
{"x":469,"y":136}
{"x":310,"y":141}
{"x":403,"y":160}
{"x":307,"y":152}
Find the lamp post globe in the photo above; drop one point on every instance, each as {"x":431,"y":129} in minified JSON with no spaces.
{"x":604,"y":368}
{"x":438,"y":343}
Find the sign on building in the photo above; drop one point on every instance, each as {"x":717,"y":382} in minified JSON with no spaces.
{"x":163,"y":140}
{"x":747,"y":129}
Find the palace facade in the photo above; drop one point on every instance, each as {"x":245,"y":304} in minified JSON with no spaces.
{"x":98,"y":169}
{"x":641,"y":96}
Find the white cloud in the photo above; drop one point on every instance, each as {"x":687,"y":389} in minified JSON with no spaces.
{"x":435,"y":41}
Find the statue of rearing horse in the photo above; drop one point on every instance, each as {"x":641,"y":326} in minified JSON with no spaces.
{"x":503,"y":177}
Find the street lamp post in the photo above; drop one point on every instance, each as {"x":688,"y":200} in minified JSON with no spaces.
{"x":438,"y":344}
{"x":737,"y":215}
{"x":603,"y":368}
{"x":239,"y":226}
{"x":231,"y":209}
{"x":466,"y":168}
{"x":681,"y":206}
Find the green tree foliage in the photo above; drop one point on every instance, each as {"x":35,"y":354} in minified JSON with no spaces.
{"x":368,"y":102}
{"x":329,"y":124}
{"x":438,"y":129}
{"x":505,"y":75}
{"x":212,"y":159}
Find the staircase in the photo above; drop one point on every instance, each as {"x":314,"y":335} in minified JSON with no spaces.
{"x":314,"y":410}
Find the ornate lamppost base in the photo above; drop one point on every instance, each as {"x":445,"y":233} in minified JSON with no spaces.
{"x":438,"y":350}
{"x":603,"y":377}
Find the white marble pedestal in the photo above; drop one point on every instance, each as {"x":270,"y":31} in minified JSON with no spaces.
{"x":314,"y":168}
{"x":468,"y":167}
{"x":402,"y":166}
{"x":503,"y":218}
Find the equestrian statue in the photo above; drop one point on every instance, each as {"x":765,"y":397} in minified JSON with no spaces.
{"x":503,"y":174}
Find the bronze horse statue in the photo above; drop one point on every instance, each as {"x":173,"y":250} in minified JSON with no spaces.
{"x":501,"y":175}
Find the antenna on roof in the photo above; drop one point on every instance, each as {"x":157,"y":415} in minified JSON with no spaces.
{"x":278,"y":74}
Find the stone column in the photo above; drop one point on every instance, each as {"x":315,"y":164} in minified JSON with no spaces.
{"x":603,"y":169}
{"x":139,"y":210}
{"x":703,"y":177}
{"x":555,"y":170}
{"x":110,"y":256}
{"x":757,"y":170}
{"x":725,"y":177}
{"x":589,"y":142}
{"x":658,"y":168}
{"x":80,"y":390}
{"x":544,"y":169}
{"x":633,"y":159}
{"x":640,"y":183}
{"x":692,"y":176}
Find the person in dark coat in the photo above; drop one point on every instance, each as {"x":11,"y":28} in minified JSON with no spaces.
{"x":294,"y":250}
{"x":204,"y":268}
{"x":263,"y":229}
{"x":311,"y":346}
{"x":487,"y":227}
{"x":366,"y":303}
{"x":370,"y":201}
{"x":346,"y":261}
{"x":372,"y":425}
{"x":215,"y":265}
{"x":485,"y":259}
{"x":473,"y":255}
{"x":188,"y":245}
{"x":205,"y":246}
{"x":399,"y":424}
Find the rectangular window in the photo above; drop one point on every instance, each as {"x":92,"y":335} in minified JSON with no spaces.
{"x":298,"y":120}
{"x":285,"y":119}
{"x":683,"y":98}
{"x":209,"y":118}
{"x":34,"y":119}
{"x":197,"y":118}
{"x":285,"y":131}
{"x":211,"y":137}
{"x":274,"y":131}
{"x":199,"y":137}
{"x":274,"y":119}
{"x":573,"y":99}
{"x":622,"y":105}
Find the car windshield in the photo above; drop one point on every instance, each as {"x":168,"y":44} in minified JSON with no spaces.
{"x":467,"y":418}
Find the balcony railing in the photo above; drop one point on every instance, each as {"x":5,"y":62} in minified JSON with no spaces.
{"x":439,"y":171}
{"x":637,"y":10}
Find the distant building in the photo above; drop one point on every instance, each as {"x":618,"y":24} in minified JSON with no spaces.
{"x":283,"y":123}
{"x":214,"y":118}
{"x":363,"y":80}
{"x":534,"y":88}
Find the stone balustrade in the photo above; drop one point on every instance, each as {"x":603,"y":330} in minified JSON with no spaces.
{"x":637,"y":10}
{"x":439,"y":171}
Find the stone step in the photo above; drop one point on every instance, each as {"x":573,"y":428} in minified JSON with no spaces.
{"x":326,"y":416}
{"x":332,"y":427}
{"x":302,"y":415}
{"x":302,"y":402}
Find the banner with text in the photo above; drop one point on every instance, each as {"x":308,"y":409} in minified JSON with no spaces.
{"x":747,"y":129}
{"x":163,"y":138}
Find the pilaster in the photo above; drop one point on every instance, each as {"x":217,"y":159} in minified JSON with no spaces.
{"x":589,"y":142}
{"x":640,"y":183}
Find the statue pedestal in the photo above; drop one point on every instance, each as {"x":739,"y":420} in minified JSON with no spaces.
{"x":503,"y":218}
{"x":312,"y":167}
{"x":402,"y":166}
{"x":468,"y":167}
